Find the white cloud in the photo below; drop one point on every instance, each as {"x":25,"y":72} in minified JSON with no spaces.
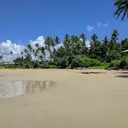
{"x":90,"y":28}
{"x":39,"y":40}
{"x":8,"y":46}
{"x":99,"y":24}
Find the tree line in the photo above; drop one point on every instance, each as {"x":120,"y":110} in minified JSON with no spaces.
{"x":74,"y":52}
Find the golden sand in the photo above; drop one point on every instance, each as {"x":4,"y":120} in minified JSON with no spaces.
{"x":77,"y":101}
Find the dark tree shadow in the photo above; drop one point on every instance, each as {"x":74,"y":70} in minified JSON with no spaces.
{"x":123,"y":72}
{"x":2,"y":75}
{"x":92,"y":72}
{"x":122,"y":76}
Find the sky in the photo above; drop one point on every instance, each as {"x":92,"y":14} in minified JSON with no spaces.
{"x":24,"y":21}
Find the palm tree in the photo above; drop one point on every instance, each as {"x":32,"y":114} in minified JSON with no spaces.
{"x":83,"y":37}
{"x":106,"y":41}
{"x":26,"y":51}
{"x":43,"y":50}
{"x":29,"y":47}
{"x":95,"y":49}
{"x":94,"y":39}
{"x":105,"y":48}
{"x":74,"y":39}
{"x":36,"y":53}
{"x":124,"y":44}
{"x":37,"y":45}
{"x":1,"y":57}
{"x":122,"y":8}
{"x":49,"y":43}
{"x":22,"y":53}
{"x":57,"y":40}
{"x":11,"y":53}
{"x":114,"y":37}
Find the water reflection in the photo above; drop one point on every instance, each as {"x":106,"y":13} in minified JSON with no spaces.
{"x":9,"y":89}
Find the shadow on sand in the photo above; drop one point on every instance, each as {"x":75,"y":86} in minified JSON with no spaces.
{"x":123,"y":72}
{"x":92,"y":72}
{"x":122,"y":76}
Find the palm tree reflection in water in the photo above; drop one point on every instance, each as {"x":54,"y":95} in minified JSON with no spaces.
{"x":9,"y":89}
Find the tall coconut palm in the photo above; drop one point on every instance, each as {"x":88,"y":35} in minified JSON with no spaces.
{"x":43,"y":50}
{"x":25,"y":51}
{"x":83,"y":37}
{"x":37,"y":45}
{"x":57,"y":40}
{"x":22,"y":53}
{"x":1,"y":57}
{"x":124,"y":44}
{"x":11,"y":53}
{"x":36,"y":53}
{"x":106,"y":41}
{"x":49,"y":43}
{"x":105,"y":48}
{"x":94,"y":39}
{"x":74,"y":39}
{"x":29,"y":47}
{"x":114,"y":37}
{"x":67,"y":41}
{"x":122,"y":8}
{"x":95,"y":49}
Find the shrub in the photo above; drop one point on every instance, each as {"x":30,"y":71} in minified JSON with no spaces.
{"x":115,"y":64}
{"x":124,"y":63}
{"x":69,"y":66}
{"x":85,"y":62}
{"x":52,"y":66}
{"x":45,"y":65}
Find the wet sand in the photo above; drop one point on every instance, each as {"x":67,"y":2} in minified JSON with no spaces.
{"x":78,"y":100}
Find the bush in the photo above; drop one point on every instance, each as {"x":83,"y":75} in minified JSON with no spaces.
{"x":120,"y":64}
{"x":69,"y":66}
{"x":85,"y":62}
{"x":53,"y":66}
{"x":45,"y":65}
{"x":124,"y":63}
{"x":115,"y":64}
{"x":9,"y":66}
{"x":61,"y":62}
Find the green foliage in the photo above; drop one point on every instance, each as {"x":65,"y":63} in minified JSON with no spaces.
{"x":99,"y":67}
{"x":115,"y":64}
{"x":45,"y":65}
{"x":74,"y":53}
{"x":124,"y":63}
{"x":85,"y":62}
{"x":69,"y":66}
{"x":52,"y":66}
{"x":120,"y":64}
{"x":122,"y":8}
{"x":9,"y":66}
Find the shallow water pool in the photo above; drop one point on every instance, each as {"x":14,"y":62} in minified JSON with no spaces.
{"x":10,"y":89}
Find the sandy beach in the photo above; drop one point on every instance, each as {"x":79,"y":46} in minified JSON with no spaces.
{"x":77,"y":101}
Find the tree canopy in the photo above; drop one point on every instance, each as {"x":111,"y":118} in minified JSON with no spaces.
{"x":74,"y":52}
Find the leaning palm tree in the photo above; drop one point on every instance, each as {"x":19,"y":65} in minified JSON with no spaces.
{"x":122,"y":8}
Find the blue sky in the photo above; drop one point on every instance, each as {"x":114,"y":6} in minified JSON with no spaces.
{"x":24,"y":20}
